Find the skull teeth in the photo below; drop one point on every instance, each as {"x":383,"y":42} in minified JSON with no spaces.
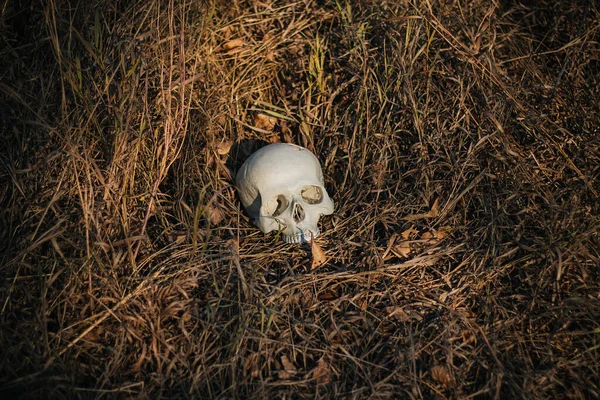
{"x":303,"y":237}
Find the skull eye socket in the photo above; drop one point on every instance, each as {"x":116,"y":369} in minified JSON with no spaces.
{"x":312,"y":194}
{"x":276,"y":205}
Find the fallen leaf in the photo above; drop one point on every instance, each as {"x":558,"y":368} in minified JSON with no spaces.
{"x":322,"y":372}
{"x":177,"y":237}
{"x":402,"y":249}
{"x":468,"y":337}
{"x":318,"y":256}
{"x":227,"y":31}
{"x":223,"y":147}
{"x":234,"y":51}
{"x":427,"y":235}
{"x":252,"y":364}
{"x":434,"y":208}
{"x":434,"y":212}
{"x":400,"y":314}
{"x":186,"y":316}
{"x":430,"y":237}
{"x":442,"y":375}
{"x":272,"y":138}
{"x":443,"y":232}
{"x":265,"y":122}
{"x":408,"y":233}
{"x":94,"y":334}
{"x":232,"y":44}
{"x":328,"y":295}
{"x":306,"y":298}
{"x":283,"y":374}
{"x":364,"y":304}
{"x":397,"y":312}
{"x":213,"y":214}
{"x":289,"y":369}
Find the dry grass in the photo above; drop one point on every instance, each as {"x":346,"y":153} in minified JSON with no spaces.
{"x":460,"y":141}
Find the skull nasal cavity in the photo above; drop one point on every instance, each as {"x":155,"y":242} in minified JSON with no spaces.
{"x":298,"y":213}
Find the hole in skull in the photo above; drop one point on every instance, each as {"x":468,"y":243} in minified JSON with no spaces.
{"x":299,"y":213}
{"x":312,"y":194}
{"x":276,"y":205}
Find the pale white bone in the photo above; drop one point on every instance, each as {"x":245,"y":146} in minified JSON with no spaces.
{"x":281,"y":186}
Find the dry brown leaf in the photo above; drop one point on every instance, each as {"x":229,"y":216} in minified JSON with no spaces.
{"x":318,"y":256}
{"x":265,"y":122}
{"x":224,"y":147}
{"x":427,"y":235}
{"x":227,"y":31}
{"x":186,"y":316}
{"x":306,"y":297}
{"x":443,"y":232}
{"x":232,"y":44}
{"x":94,"y":334}
{"x":433,"y":237}
{"x":233,"y":244}
{"x":234,"y":51}
{"x":177,"y":237}
{"x":213,"y":214}
{"x":283,"y":374}
{"x":468,"y":337}
{"x":322,"y":372}
{"x":442,"y":375}
{"x":402,"y":249}
{"x":398,"y":312}
{"x":434,"y":212}
{"x":434,"y":209}
{"x":363,"y":304}
{"x":408,"y":233}
{"x":328,"y":295}
{"x":252,"y":364}
{"x":289,"y":369}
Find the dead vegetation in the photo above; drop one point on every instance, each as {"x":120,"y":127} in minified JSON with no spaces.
{"x":460,"y":141}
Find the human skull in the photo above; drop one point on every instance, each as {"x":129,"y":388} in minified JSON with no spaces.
{"x":281,"y":187}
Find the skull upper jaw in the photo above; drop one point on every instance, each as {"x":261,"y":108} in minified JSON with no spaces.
{"x":305,"y":236}
{"x":298,"y":223}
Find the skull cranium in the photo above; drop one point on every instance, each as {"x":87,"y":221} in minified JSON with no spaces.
{"x":281,"y":186}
